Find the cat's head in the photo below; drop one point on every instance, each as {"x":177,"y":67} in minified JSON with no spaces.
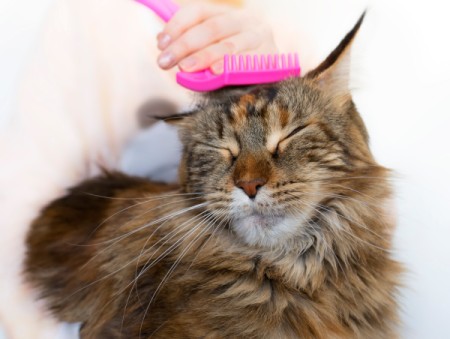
{"x":269,"y":158}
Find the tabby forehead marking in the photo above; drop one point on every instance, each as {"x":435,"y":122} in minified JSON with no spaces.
{"x":247,"y":99}
{"x":284,"y":117}
{"x":240,"y":109}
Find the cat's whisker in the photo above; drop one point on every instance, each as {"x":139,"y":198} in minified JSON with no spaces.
{"x":296,"y":212}
{"x":148,"y":198}
{"x":112,"y":216}
{"x":171,"y":234}
{"x":354,"y":222}
{"x":211,"y":236}
{"x":118,"y":293}
{"x":119,"y":269}
{"x":340,"y":229}
{"x":359,"y":224}
{"x":167,"y":238}
{"x":365,"y":242}
{"x":333,"y":180}
{"x":346,"y":178}
{"x":114,"y":240}
{"x":224,"y":221}
{"x":158,"y":328}
{"x":171,"y":270}
{"x":332,"y":185}
{"x":168,"y":274}
{"x":331,"y":195}
{"x":330,"y":251}
{"x":140,"y":215}
{"x":356,"y":191}
{"x":148,"y":265}
{"x":163,"y":219}
{"x":208,"y":219}
{"x":145,"y":267}
{"x":344,"y":230}
{"x":339,"y":263}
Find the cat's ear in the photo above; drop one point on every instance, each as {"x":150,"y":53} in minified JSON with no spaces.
{"x":333,"y":74}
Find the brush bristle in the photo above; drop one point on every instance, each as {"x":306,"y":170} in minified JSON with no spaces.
{"x":255,"y":63}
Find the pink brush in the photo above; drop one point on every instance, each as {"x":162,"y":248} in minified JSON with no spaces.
{"x":238,"y":70}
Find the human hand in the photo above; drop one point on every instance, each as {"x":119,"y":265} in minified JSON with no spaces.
{"x":200,"y":34}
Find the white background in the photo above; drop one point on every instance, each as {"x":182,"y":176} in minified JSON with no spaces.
{"x":403,"y":74}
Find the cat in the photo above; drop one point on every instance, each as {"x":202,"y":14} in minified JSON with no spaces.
{"x":279,"y":227}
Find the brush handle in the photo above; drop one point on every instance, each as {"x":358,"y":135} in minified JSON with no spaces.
{"x":165,"y":9}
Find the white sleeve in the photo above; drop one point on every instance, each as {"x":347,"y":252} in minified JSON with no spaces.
{"x":94,"y":64}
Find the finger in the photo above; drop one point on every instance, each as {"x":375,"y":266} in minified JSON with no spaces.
{"x":250,"y":41}
{"x":244,"y":43}
{"x":205,"y":58}
{"x":198,"y":38}
{"x":212,"y":56}
{"x":187,"y":17}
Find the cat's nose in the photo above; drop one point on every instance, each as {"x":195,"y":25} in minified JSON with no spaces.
{"x":251,"y":187}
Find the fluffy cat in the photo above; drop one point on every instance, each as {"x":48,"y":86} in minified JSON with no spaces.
{"x":277,"y":230}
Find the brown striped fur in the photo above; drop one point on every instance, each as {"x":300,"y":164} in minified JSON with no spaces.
{"x":308,"y":256}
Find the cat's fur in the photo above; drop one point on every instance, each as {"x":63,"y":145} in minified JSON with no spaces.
{"x":279,"y":228}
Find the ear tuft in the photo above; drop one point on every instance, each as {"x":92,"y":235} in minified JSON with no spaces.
{"x":333,"y":74}
{"x":177,"y":119}
{"x":151,"y":110}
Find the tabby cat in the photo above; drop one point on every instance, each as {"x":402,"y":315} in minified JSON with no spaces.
{"x":279,"y":227}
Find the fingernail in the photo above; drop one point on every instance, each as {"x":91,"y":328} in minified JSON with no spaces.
{"x":188,"y":63}
{"x":166,"y":59}
{"x":163,"y":41}
{"x":217,"y":68}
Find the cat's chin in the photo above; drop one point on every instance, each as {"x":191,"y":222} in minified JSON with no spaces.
{"x":258,"y":222}
{"x":265,"y":230}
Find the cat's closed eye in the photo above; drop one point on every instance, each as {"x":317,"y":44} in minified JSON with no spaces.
{"x":229,"y":152}
{"x":284,"y":140}
{"x":232,"y":155}
{"x":295,"y":131}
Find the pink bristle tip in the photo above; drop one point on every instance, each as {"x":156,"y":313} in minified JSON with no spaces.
{"x":226,"y":63}
{"x":233,"y":63}
{"x":244,"y":70}
{"x":297,"y":61}
{"x":241,"y":63}
{"x":283,"y":61}
{"x":269,"y":61}
{"x":255,"y":63}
